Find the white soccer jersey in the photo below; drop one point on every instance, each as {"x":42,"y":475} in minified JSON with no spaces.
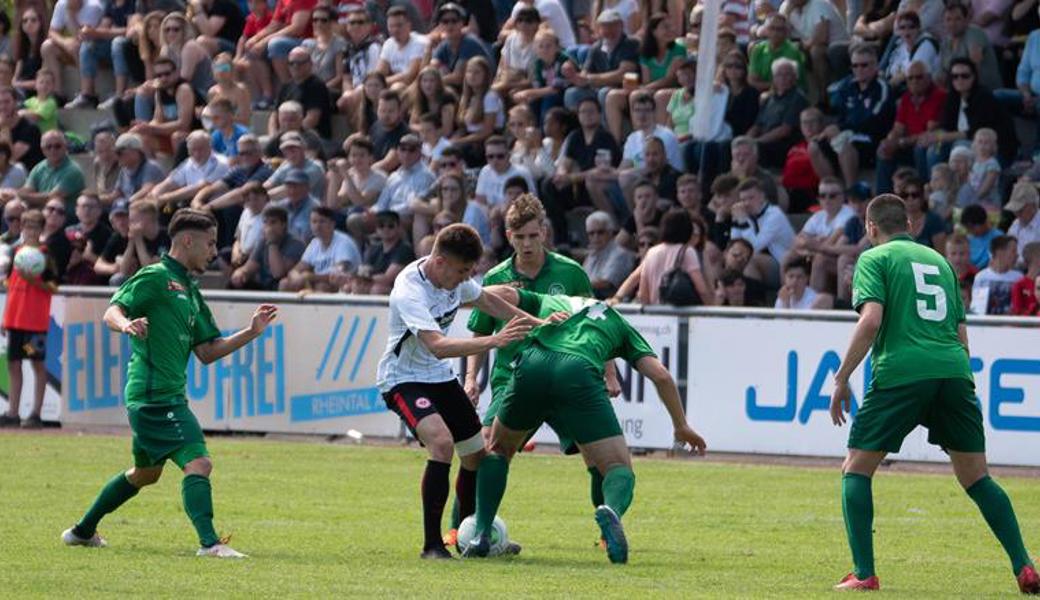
{"x":417,"y":305}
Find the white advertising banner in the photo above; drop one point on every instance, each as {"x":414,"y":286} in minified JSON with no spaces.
{"x":313,"y":371}
{"x":52,"y":393}
{"x":763,"y":386}
{"x":643,"y":419}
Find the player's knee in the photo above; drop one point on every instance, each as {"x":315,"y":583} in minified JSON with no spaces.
{"x":440,"y":446}
{"x":139,"y":478}
{"x":200,"y":466}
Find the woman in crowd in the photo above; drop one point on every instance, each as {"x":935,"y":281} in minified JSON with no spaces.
{"x":480,"y":112}
{"x":363,"y":118}
{"x":354,"y":186}
{"x":676,"y":232}
{"x":428,"y":94}
{"x":926,"y":227}
{"x":28,"y":59}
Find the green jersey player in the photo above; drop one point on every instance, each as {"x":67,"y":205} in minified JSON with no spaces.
{"x":557,"y":377}
{"x":911,"y":315}
{"x":161,"y":309}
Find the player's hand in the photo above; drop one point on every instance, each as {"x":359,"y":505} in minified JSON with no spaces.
{"x":840,"y":403}
{"x":613,"y":386}
{"x":559,"y":317}
{"x":472,"y":391}
{"x":264,"y":315}
{"x":137,"y":328}
{"x":515,"y":330}
{"x":686,"y":435}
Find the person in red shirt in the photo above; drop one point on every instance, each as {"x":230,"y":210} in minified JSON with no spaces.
{"x":918,"y":111}
{"x":799,"y":177}
{"x":290,"y":25}
{"x":26,"y":320}
{"x":1024,"y":292}
{"x":250,"y":66}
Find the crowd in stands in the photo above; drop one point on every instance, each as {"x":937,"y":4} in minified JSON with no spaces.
{"x":332,"y":139}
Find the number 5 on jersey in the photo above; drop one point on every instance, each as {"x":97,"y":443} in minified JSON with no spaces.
{"x":929,"y":290}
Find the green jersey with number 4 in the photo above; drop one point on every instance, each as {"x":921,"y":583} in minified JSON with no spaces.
{"x":922,"y":309}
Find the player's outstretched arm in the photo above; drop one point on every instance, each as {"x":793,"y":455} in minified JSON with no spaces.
{"x":116,"y":320}
{"x":654,"y":370}
{"x":506,"y":293}
{"x":506,"y":309}
{"x":443,"y":346}
{"x":214,"y":350}
{"x":862,"y":338}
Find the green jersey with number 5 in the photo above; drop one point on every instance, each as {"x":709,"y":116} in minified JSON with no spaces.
{"x":922,"y":310}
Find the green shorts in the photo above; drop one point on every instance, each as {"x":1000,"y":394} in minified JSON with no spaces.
{"x":164,"y":433}
{"x":946,"y":407}
{"x":567,"y":444}
{"x":565,"y":391}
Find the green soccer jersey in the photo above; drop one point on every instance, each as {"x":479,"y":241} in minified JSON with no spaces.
{"x":178,"y":320}
{"x":922,"y":310}
{"x":594,"y":331}
{"x":558,"y":276}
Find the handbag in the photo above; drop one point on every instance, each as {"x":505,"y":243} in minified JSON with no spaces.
{"x":676,"y":287}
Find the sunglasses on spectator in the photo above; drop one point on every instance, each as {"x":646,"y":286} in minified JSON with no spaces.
{"x":357,"y":22}
{"x":495,"y":155}
{"x":449,"y":21}
{"x":54,"y":209}
{"x":961,"y":75}
{"x":593,"y":232}
{"x":53,"y":146}
{"x":320,"y":20}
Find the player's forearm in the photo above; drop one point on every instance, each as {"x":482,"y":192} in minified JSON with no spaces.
{"x":473,"y":364}
{"x":497,"y":307}
{"x":221,"y":347}
{"x":669,"y":394}
{"x":115,"y":318}
{"x":862,"y":338}
{"x":446,"y":347}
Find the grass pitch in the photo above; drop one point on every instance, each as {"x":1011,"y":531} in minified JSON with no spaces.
{"x":330,"y":520}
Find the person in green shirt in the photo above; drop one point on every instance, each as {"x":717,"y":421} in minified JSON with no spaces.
{"x":163,"y":312}
{"x":57,"y":175}
{"x":776,"y":45}
{"x":42,"y":109}
{"x":912,"y":320}
{"x":557,"y":377}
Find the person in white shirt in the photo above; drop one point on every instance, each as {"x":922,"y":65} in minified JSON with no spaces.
{"x":402,"y":54}
{"x":765,"y":227}
{"x":69,"y":19}
{"x":642,"y":110}
{"x":201,"y":168}
{"x":249,"y":232}
{"x":329,"y":259}
{"x":823,"y":228}
{"x":991,"y":292}
{"x":796,"y":293}
{"x":551,"y":12}
{"x":416,"y":378}
{"x":491,"y":181}
{"x":1023,"y":203}
{"x":820,"y":31}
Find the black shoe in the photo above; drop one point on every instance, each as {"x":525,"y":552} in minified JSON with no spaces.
{"x":9,"y":421}
{"x":438,"y":553}
{"x":610,"y":527}
{"x":33,"y":422}
{"x":478,"y":547}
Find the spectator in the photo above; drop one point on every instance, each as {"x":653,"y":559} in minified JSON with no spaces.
{"x":59,"y":248}
{"x":1023,"y":204}
{"x":1021,"y":100}
{"x":272,"y":259}
{"x":991,"y":292}
{"x":330,"y":257}
{"x":326,"y":50}
{"x":918,"y":110}
{"x":607,"y":263}
{"x":799,"y":176}
{"x":865,"y":109}
{"x":249,"y":229}
{"x":731,"y":290}
{"x":23,"y":135}
{"x":165,"y":120}
{"x":353,"y":184}
{"x":481,"y":111}
{"x":146,"y":241}
{"x":985,"y":169}
{"x":775,"y":45}
{"x":991,"y":17}
{"x":767,"y":229}
{"x":384,"y":260}
{"x":494,"y":175}
{"x":12,"y":174}
{"x":219,"y":23}
{"x":28,"y":52}
{"x":42,"y":108}
{"x":796,"y":293}
{"x":192,"y":60}
{"x":105,"y":165}
{"x":71,"y":22}
{"x":743,"y":102}
{"x":299,"y":204}
{"x":926,"y":227}
{"x":719,"y":215}
{"x":407,"y":184}
{"x":673,"y":252}
{"x":961,"y":159}
{"x":26,"y":321}
{"x":585,"y":171}
{"x":607,"y":62}
{"x":295,"y":160}
{"x":360,"y":58}
{"x":969,"y":107}
{"x":453,"y":206}
{"x":249,"y":61}
{"x":225,"y":132}
{"x":852,"y":241}
{"x":201,"y":168}
{"x":980,"y":234}
{"x":402,"y":53}
{"x":777,"y":127}
{"x":310,"y":91}
{"x":110,"y":258}
{"x":1024,"y":293}
{"x":819,"y":232}
{"x":966,"y":41}
{"x":137,"y":175}
{"x":428,"y":95}
{"x":553,"y":13}
{"x":456,"y":47}
{"x":644,"y":127}
{"x":290,"y":26}
{"x":942,"y":191}
{"x":958,"y":253}
{"x":387,"y":131}
{"x":88,"y":238}
{"x":821,"y":33}
{"x":57,"y":175}
{"x":12,"y":236}
{"x":518,"y":51}
{"x":646,"y":213}
{"x":547,"y":80}
{"x":290,"y":122}
{"x":744,"y":165}
{"x":912,"y":44}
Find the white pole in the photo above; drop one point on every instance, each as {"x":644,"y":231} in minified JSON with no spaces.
{"x":706,"y":68}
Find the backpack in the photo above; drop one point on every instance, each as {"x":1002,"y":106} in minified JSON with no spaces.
{"x":677,"y":287}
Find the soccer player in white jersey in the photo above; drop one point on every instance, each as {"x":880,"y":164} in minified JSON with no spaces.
{"x":416,"y":377}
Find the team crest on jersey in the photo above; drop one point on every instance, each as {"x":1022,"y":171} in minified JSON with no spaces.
{"x":174,"y":286}
{"x":556,"y":289}
{"x":423,"y":403}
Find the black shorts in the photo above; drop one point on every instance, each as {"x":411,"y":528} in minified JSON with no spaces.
{"x":26,"y":345}
{"x":413,"y":402}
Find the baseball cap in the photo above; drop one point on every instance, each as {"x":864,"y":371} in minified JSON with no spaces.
{"x":120,"y":207}
{"x":451,"y":7}
{"x":411,"y":140}
{"x":129,"y":141}
{"x":297,"y":176}
{"x":291,"y":139}
{"x":1024,"y":193}
{"x":858,"y":191}
{"x":609,"y":16}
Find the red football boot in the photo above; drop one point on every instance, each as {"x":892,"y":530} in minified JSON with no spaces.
{"x":1028,"y":580}
{"x":851,"y":582}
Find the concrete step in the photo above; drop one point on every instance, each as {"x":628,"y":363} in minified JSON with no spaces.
{"x":104,"y":83}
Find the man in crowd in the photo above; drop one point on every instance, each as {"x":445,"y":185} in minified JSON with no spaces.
{"x":384,"y":259}
{"x":329,"y":259}
{"x":201,"y":168}
{"x":57,"y":175}
{"x":457,"y":46}
{"x":274,"y":257}
{"x":137,"y":174}
{"x":606,"y":64}
{"x":299,"y":203}
{"x":919,"y":108}
{"x":766,"y":228}
{"x":88,"y":238}
{"x":607,"y":263}
{"x":310,"y":91}
{"x":402,"y":54}
{"x":146,"y":240}
{"x":1023,"y":204}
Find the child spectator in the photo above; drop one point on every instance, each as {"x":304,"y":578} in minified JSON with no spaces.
{"x":481,"y":111}
{"x":985,"y":170}
{"x":1024,"y":292}
{"x":274,"y":258}
{"x":227,"y":86}
{"x":429,"y":95}
{"x":27,"y":316}
{"x":42,"y":109}
{"x":980,"y":234}
{"x":433,"y":140}
{"x":796,"y":294}
{"x":991,"y":292}
{"x":518,"y":52}
{"x":958,"y":254}
{"x":546,"y":75}
{"x":942,"y":190}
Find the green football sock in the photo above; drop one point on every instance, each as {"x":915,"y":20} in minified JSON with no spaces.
{"x":595,"y":487}
{"x":116,"y":492}
{"x":198,"y":503}
{"x":618,"y":486}
{"x":857,"y":506}
{"x":491,"y":486}
{"x":1000,"y":515}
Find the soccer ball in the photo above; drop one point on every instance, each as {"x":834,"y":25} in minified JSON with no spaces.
{"x":499,"y":537}
{"x":30,"y":261}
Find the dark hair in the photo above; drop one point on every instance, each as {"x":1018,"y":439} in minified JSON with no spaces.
{"x":5,"y":149}
{"x":751,"y":183}
{"x":390,"y":95}
{"x":974,"y":214}
{"x":35,"y":216}
{"x":998,"y":243}
{"x":189,"y":219}
{"x":516,"y":181}
{"x":888,"y":212}
{"x":528,"y":13}
{"x":644,"y":183}
{"x":642,"y":97}
{"x":322,"y":8}
{"x":278,"y":213}
{"x":324,"y":212}
{"x":590,"y":99}
{"x":964,"y":61}
{"x":496,"y":140}
{"x":957,"y":5}
{"x":798,"y":263}
{"x":676,"y":227}
{"x":163,"y":60}
{"x":28,"y":48}
{"x":360,"y":141}
{"x":910,"y":15}
{"x":725,"y":184}
{"x":459,"y":241}
{"x":864,"y":48}
{"x":453,"y":152}
{"x":741,"y":242}
{"x":388,"y":215}
{"x":650,"y":48}
{"x":397,"y":11}
{"x":431,"y":118}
